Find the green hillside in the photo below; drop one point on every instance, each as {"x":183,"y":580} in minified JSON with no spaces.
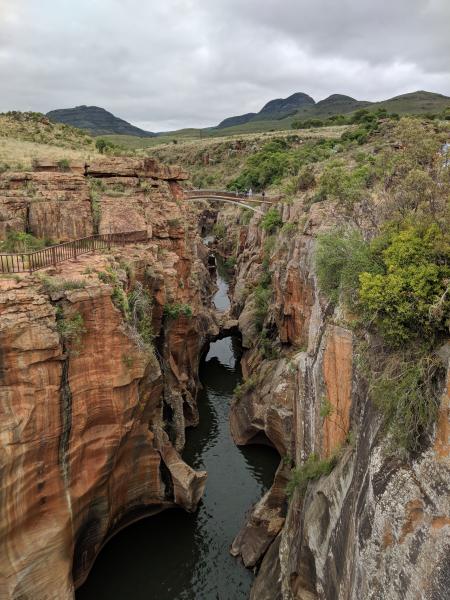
{"x":96,"y":120}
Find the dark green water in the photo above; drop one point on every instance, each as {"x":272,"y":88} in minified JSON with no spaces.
{"x":177,"y":556}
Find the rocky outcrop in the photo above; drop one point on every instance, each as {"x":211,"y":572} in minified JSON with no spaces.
{"x":92,"y":419}
{"x":63,"y":201}
{"x":377,"y":526}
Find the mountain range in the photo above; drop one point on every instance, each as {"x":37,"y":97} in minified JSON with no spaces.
{"x":302,"y":106}
{"x":278,"y":114}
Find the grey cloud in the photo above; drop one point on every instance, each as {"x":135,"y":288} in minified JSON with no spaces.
{"x":192,"y":62}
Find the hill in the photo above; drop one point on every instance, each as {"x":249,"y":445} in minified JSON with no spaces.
{"x":274,"y":109}
{"x":279,"y":114}
{"x":25,"y":136}
{"x":416,"y":103}
{"x":96,"y":120}
{"x":337,"y":104}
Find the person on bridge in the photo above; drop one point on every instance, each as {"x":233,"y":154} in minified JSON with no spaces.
{"x":263,"y":194}
{"x":250,"y":193}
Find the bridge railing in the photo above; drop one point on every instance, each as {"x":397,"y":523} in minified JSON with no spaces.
{"x":52,"y":255}
{"x":202,"y":193}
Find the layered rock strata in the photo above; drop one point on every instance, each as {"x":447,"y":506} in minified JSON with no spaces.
{"x":94,"y":415}
{"x":64,"y":201}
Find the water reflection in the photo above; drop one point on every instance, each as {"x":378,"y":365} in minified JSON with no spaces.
{"x":176,"y":556}
{"x":221,"y":300}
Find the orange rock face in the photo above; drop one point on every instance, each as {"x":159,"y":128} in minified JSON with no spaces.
{"x":442,"y":440}
{"x":337,"y":374}
{"x":109,"y":195}
{"x":84,"y":427}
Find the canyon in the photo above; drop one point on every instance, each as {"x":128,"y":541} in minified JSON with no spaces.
{"x":94,"y":417}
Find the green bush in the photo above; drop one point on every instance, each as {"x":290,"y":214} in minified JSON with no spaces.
{"x":19,"y":241}
{"x":220,"y":231}
{"x":118,"y":296}
{"x":307,"y":124}
{"x":407,"y":392}
{"x":312,"y":469}
{"x":271,"y":220}
{"x":341,"y":256}
{"x":173,"y":311}
{"x":247,"y":386}
{"x":347,"y":186}
{"x":245,"y":216}
{"x":63,"y":164}
{"x":306,"y":178}
{"x":268,"y":349}
{"x":70,"y":328}
{"x":410,"y":297}
{"x":265,"y":167}
{"x":140,"y":313}
{"x":262,"y":295}
{"x":290,"y":227}
{"x":230,"y":263}
{"x":101,"y":145}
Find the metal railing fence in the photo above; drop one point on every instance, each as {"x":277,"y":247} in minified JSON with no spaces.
{"x":52,"y":255}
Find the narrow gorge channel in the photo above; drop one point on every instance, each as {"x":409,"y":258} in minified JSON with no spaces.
{"x":181,"y":556}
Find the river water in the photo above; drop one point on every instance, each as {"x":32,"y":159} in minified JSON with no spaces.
{"x":180,"y":556}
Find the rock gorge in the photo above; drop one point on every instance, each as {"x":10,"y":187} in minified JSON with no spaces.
{"x":93,"y":424}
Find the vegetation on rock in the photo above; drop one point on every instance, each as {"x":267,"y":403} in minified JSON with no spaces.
{"x":313,"y":468}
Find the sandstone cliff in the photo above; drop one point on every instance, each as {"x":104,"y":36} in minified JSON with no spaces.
{"x":377,"y":526}
{"x":92,"y":413}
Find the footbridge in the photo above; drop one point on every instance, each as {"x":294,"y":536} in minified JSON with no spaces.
{"x":253,"y":202}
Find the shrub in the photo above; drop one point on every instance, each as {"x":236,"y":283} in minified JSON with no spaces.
{"x":118,"y":296}
{"x":326,"y":408}
{"x":140,"y":313}
{"x":63,"y":164}
{"x":340,"y":257}
{"x":307,"y":124}
{"x":289,"y":227}
{"x":268,"y":349}
{"x":247,"y":386}
{"x":95,"y":210}
{"x":101,"y":145}
{"x":70,"y":328}
{"x":262,"y":295}
{"x":407,"y":392}
{"x":265,"y":167}
{"x":52,"y":285}
{"x":246,"y":216}
{"x":306,"y":178}
{"x":410,"y":297}
{"x":230,"y":263}
{"x":173,"y":311}
{"x":346,"y":186}
{"x":19,"y":241}
{"x":271,"y":220}
{"x":312,"y":469}
{"x":220,"y":231}
{"x":360,"y":135}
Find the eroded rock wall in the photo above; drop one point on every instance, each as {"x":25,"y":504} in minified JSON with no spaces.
{"x":92,"y":419}
{"x":64,"y":201}
{"x":376,"y":527}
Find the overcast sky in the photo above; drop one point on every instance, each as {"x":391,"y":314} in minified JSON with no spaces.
{"x":166,"y":64}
